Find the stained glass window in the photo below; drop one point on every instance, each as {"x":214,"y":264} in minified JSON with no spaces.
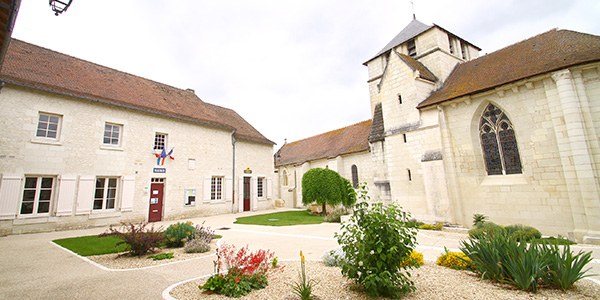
{"x":499,"y":143}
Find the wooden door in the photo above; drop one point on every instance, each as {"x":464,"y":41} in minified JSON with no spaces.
{"x":246,"y":193}
{"x":156,"y":202}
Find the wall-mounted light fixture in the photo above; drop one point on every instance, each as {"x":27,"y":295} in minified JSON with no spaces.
{"x":59,"y":7}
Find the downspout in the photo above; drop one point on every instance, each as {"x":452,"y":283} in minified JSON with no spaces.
{"x":233,"y":140}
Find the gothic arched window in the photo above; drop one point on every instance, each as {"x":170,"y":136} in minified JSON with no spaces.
{"x":499,"y":143}
{"x":354,"y":176}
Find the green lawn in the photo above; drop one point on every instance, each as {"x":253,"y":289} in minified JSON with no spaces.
{"x":92,"y":245}
{"x":285,"y":218}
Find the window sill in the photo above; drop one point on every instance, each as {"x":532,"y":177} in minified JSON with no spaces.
{"x":98,"y":214}
{"x":111,"y":148}
{"x":26,"y":219}
{"x":215,"y":202}
{"x":46,"y":141}
{"x":515,"y":179}
{"x":190,"y":205}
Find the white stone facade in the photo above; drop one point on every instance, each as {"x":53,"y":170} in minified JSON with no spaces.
{"x":78,"y":157}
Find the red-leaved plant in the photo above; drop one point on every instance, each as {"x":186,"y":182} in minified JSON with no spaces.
{"x":139,"y":239}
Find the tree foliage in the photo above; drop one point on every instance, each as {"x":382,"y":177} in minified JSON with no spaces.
{"x":324,"y":186}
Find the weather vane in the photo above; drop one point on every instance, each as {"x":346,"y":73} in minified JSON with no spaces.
{"x":59,"y":7}
{"x":413,"y":9}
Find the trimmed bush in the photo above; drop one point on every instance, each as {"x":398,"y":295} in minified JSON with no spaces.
{"x":522,"y":232}
{"x":196,"y":246}
{"x":486,"y":228}
{"x":437,"y":226}
{"x":177,"y":234}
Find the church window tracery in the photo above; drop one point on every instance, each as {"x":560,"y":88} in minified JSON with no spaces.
{"x":499,"y":143}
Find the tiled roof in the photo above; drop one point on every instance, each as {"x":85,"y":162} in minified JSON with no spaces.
{"x":547,"y":52}
{"x":377,"y":128}
{"x":331,"y":144}
{"x":415,"y":65}
{"x":36,"y":67}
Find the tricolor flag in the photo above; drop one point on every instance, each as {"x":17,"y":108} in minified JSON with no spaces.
{"x":162,"y":155}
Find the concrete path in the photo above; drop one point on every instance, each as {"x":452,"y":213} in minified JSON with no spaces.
{"x":32,"y":267}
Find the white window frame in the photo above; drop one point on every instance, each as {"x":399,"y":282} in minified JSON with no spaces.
{"x":261,"y":183}
{"x":46,"y":126}
{"x":158,"y":144}
{"x":105,"y":195}
{"x":36,"y":197}
{"x":190,"y":197}
{"x":216,"y":188}
{"x":111,"y":137}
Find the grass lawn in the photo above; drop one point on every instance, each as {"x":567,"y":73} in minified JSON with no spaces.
{"x":285,"y":218}
{"x":92,"y":245}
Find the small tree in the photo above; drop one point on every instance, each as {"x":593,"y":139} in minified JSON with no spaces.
{"x":324,"y":186}
{"x":349,"y":195}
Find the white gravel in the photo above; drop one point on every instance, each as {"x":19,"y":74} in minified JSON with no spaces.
{"x":431,"y":281}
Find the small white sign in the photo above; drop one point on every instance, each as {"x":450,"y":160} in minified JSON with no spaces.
{"x":155,"y":192}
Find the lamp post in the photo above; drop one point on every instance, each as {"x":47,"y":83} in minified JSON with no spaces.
{"x":59,"y":6}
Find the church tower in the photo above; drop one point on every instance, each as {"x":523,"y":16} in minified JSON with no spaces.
{"x":406,"y":144}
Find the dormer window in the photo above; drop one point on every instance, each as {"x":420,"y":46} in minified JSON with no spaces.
{"x":412,"y":49}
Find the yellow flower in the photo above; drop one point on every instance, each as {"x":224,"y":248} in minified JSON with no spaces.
{"x":302,"y":256}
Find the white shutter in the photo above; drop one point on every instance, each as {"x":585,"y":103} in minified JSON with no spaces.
{"x":254,"y":198}
{"x":206,"y":190}
{"x":85,"y":196}
{"x":269,"y":188}
{"x":128,"y":192}
{"x":228,"y":188}
{"x":10,"y":191}
{"x":66,"y":195}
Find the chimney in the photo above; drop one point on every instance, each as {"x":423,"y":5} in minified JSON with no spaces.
{"x":191,"y":90}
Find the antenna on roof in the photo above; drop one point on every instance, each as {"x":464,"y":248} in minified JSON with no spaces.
{"x":413,"y":9}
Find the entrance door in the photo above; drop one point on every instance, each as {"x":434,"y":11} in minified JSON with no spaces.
{"x":156,"y":200}
{"x":246,"y":193}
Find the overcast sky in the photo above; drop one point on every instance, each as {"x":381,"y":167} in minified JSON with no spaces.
{"x":291,"y":68}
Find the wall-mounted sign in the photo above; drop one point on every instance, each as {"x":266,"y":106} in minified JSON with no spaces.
{"x":248,"y":171}
{"x":159,"y":170}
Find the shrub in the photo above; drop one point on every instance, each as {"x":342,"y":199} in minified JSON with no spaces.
{"x":376,"y":242}
{"x":246,"y":271}
{"x":414,"y":223}
{"x":177,"y":234}
{"x":524,"y":233}
{"x":137,"y":237}
{"x":453,"y":260}
{"x":436,"y":226}
{"x":332,"y":257}
{"x":196,"y":246}
{"x":348,"y":194}
{"x":161,"y":256}
{"x":483,"y":229}
{"x":414,"y":259}
{"x":203,"y":233}
{"x":336,"y":214}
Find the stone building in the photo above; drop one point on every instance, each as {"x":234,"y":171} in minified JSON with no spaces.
{"x":85,"y":145}
{"x":512,"y":134}
{"x":344,"y":150}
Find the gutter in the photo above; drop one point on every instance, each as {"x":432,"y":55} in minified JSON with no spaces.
{"x":233,"y":140}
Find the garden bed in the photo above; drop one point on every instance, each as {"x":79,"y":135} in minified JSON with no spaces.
{"x":431,"y":281}
{"x":114,"y":261}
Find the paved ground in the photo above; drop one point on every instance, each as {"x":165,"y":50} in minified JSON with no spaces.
{"x":31,"y":267}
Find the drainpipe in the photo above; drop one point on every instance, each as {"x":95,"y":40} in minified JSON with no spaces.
{"x":233,"y":140}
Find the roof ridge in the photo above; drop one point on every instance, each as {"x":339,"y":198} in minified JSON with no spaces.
{"x":71,"y":57}
{"x":324,"y":133}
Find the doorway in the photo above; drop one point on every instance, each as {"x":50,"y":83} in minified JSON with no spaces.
{"x":246,"y":193}
{"x":155,"y":212}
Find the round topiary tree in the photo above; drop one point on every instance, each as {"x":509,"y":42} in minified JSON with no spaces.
{"x":324,"y":186}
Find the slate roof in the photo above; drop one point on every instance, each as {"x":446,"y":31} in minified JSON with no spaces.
{"x":413,"y":29}
{"x":416,"y":65}
{"x":546,"y":52}
{"x":377,"y":132}
{"x":350,"y":139}
{"x":40,"y":68}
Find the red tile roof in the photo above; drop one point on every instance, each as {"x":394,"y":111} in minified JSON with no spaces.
{"x":36,"y":67}
{"x":547,"y":52}
{"x":351,"y":139}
